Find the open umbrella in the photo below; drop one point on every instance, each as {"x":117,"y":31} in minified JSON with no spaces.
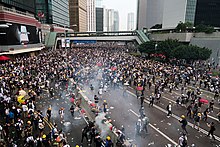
{"x":22,"y":93}
{"x":4,"y":58}
{"x":72,"y":100}
{"x":21,"y":99}
{"x":204,"y":101}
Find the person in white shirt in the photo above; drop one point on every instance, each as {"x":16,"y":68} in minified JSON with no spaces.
{"x":182,"y":140}
{"x":25,"y":110}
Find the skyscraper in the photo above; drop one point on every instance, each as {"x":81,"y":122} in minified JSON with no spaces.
{"x":116,"y":21}
{"x":54,"y":12}
{"x":111,"y":20}
{"x":99,"y":15}
{"x":207,"y":12}
{"x":99,"y":19}
{"x":130,"y":21}
{"x":91,"y":16}
{"x":78,"y":15}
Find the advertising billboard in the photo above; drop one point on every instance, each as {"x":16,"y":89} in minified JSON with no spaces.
{"x":17,"y":34}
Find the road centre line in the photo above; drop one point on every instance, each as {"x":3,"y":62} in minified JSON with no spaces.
{"x":160,"y":132}
{"x":177,"y":117}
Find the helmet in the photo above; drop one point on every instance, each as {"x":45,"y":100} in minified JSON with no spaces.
{"x":183,"y":116}
{"x":105,"y":101}
{"x":77,"y":145}
{"x":199,"y":114}
{"x":108,"y":138}
{"x":44,"y":136}
{"x":29,"y":122}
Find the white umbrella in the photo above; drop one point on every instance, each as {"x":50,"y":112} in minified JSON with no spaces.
{"x":22,"y":92}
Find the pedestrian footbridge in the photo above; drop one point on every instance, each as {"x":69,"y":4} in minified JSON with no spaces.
{"x":91,"y":37}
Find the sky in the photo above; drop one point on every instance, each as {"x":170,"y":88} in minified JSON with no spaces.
{"x":123,"y":7}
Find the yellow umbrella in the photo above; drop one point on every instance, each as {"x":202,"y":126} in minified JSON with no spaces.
{"x":21,"y":99}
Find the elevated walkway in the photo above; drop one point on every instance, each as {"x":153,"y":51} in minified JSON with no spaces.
{"x":123,"y":36}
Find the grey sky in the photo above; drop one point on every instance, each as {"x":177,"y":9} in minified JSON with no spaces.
{"x":124,"y":7}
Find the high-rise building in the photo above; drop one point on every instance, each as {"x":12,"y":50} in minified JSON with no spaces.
{"x":170,"y":12}
{"x":130,"y":21}
{"x":91,"y":16}
{"x":99,"y":15}
{"x":99,"y":19}
{"x":116,"y":21}
{"x":207,"y":12}
{"x":111,"y":20}
{"x":54,"y":12}
{"x":149,"y":13}
{"x":78,"y":15}
{"x":18,"y":25}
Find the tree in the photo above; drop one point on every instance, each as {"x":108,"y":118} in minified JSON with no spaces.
{"x":156,"y":26}
{"x":147,"y":47}
{"x":191,"y":53}
{"x":165,"y":47}
{"x":205,"y":29}
{"x":182,"y":27}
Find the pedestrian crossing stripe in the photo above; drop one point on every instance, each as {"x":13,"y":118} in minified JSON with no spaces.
{"x":82,"y":91}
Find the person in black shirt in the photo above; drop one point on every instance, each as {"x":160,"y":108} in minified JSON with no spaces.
{"x":72,"y":110}
{"x":212,"y":129}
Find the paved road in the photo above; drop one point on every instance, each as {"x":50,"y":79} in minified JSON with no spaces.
{"x":72,"y":126}
{"x":163,"y":130}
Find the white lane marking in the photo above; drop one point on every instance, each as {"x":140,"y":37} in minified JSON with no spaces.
{"x":175,"y":102}
{"x":177,"y":117}
{"x":164,"y":135}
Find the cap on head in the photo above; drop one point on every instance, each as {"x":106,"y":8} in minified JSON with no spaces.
{"x":108,"y":138}
{"x":183,"y":116}
{"x":44,"y":136}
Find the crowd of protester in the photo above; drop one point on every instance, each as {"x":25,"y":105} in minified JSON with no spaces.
{"x":22,"y":122}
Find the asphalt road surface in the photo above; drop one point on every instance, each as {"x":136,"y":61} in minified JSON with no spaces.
{"x":162,"y":130}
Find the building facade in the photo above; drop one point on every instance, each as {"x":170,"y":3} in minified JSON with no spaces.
{"x":54,"y":12}
{"x":18,"y":25}
{"x":91,"y":16}
{"x":170,"y":12}
{"x":116,"y":21}
{"x":208,"y":12}
{"x":149,"y":13}
{"x":174,"y":12}
{"x":78,"y":15}
{"x":99,"y":19}
{"x":20,"y":5}
{"x":130,"y":22}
